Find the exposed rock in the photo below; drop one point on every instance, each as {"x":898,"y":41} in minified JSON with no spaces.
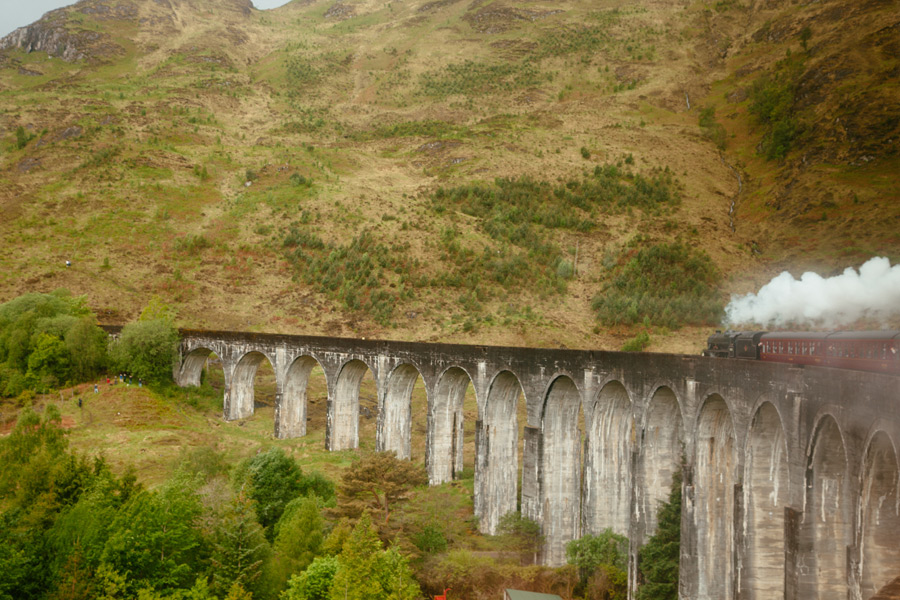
{"x":340,"y":11}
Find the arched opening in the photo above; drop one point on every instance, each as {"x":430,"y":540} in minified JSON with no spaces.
{"x":826,"y":517}
{"x":607,"y":478}
{"x":247,"y":392}
{"x":190,"y":373}
{"x":395,"y":421}
{"x":714,"y":479}
{"x":662,"y":445}
{"x":880,"y":549}
{"x":766,"y":487}
{"x":448,"y":425}
{"x":291,"y":415}
{"x":561,"y":469}
{"x":498,"y":448}
{"x":353,"y":406}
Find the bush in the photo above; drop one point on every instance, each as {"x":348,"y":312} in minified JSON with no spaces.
{"x":637,"y":343}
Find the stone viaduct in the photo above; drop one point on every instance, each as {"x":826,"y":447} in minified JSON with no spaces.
{"x":790,"y":475}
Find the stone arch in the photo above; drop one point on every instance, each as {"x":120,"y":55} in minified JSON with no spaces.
{"x":662,"y":447}
{"x":880,"y":516}
{"x":192,"y":366}
{"x":560,"y":468}
{"x":343,"y":407}
{"x":766,"y":492}
{"x":395,"y":417}
{"x":290,"y":414}
{"x":714,"y":478}
{"x":239,"y":394}
{"x":608,"y":459}
{"x":497,"y":467}
{"x":444,"y":457}
{"x":826,"y":516}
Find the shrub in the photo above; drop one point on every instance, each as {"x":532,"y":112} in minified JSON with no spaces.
{"x":666,"y":284}
{"x":637,"y":343}
{"x":772,"y":100}
{"x":602,"y":562}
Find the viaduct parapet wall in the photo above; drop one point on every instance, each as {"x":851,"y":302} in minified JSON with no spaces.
{"x":790,"y":475}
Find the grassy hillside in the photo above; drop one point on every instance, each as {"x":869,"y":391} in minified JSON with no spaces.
{"x":445,"y":170}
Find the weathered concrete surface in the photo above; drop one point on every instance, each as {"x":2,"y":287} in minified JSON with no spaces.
{"x":790,"y":476}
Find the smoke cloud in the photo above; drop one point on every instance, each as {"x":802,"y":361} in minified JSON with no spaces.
{"x":873,"y":292}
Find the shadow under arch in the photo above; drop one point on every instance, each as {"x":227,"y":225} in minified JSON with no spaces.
{"x":444,"y":457}
{"x":607,"y":466}
{"x":662,"y":449}
{"x":497,"y":464}
{"x":880,"y":516}
{"x":342,"y":429}
{"x":395,"y":417}
{"x":714,"y":479}
{"x":240,"y":393}
{"x":290,"y":413}
{"x":766,"y":492}
{"x":560,"y":468}
{"x":825,"y":530}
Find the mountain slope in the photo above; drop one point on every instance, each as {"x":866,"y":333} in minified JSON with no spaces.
{"x":280,"y":170}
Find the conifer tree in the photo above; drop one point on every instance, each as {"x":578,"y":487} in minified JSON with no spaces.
{"x":240,"y":549}
{"x":658,"y":559}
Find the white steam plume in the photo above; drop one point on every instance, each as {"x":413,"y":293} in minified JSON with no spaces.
{"x":873,"y":292}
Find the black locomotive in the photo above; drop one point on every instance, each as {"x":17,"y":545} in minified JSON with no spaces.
{"x":861,"y":350}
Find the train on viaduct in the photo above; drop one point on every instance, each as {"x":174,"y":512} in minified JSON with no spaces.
{"x":789,"y":472}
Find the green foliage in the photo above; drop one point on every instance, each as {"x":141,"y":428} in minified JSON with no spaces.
{"x":711,"y":128}
{"x":192,"y":243}
{"x":472,"y":78}
{"x":358,"y":274}
{"x":47,"y":340}
{"x":602,"y":561}
{"x":637,"y":343}
{"x":240,"y":549}
{"x":315,"y":582}
{"x":585,"y":153}
{"x":430,"y":539}
{"x":772,"y":102}
{"x":665,"y":284}
{"x":22,"y":138}
{"x":154,"y":539}
{"x":365,"y":572}
{"x":521,"y":534}
{"x":147,"y":350}
{"x":274,"y":479}
{"x":298,"y":538}
{"x":658,"y":559}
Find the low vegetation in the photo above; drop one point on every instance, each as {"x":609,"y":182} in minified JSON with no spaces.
{"x":666,"y":284}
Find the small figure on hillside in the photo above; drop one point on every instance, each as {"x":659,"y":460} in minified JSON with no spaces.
{"x":96,"y":389}
{"x":68,"y":263}
{"x":107,"y":380}
{"x":130,"y":380}
{"x":140,"y":383}
{"x":79,"y":401}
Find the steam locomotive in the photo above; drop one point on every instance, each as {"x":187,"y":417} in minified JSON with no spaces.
{"x":860,"y":350}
